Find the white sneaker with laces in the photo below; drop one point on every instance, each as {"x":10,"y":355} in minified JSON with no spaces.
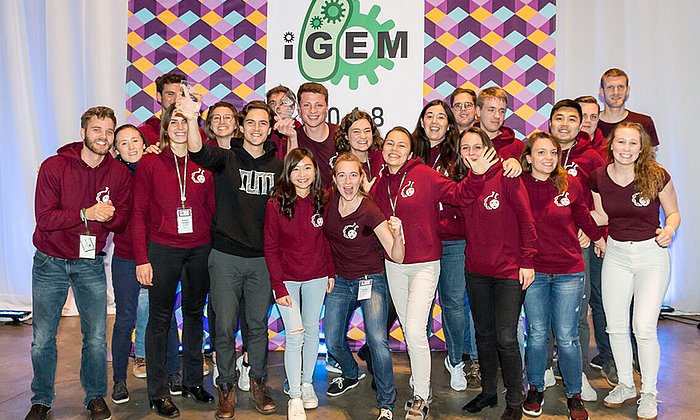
{"x":549,"y":379}
{"x":295,"y":409}
{"x":308,"y":396}
{"x":215,"y":375}
{"x":243,"y":375}
{"x":458,"y":379}
{"x":647,"y":409}
{"x":587,"y":391}
{"x":385,"y":414}
{"x":620,"y":395}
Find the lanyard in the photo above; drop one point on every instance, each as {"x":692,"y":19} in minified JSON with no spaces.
{"x":181,"y":184}
{"x":568,"y":152}
{"x":369,"y":168}
{"x":83,"y":217}
{"x":393,"y":202}
{"x":437,"y":159}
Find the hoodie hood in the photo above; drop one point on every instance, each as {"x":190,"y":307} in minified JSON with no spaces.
{"x":269,"y":148}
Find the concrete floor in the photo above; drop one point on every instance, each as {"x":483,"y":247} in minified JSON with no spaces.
{"x":678,"y":380}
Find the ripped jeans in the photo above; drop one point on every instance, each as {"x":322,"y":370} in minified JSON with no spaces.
{"x":554,"y":300}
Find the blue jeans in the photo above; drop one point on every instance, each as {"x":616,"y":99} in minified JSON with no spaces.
{"x":126,"y":297}
{"x":554,"y":300}
{"x":602,"y":340}
{"x":51,"y":278}
{"x":339,"y":305}
{"x":452,"y":287}
{"x":301,"y":325}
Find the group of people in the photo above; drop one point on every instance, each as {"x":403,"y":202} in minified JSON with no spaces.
{"x":258,"y":207}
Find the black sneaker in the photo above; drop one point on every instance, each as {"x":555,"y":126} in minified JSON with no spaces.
{"x":534,"y":402}
{"x":597,"y":362}
{"x":98,"y":409}
{"x":175,"y":384}
{"x":609,"y":372}
{"x":512,"y":413}
{"x":340,"y":385}
{"x":38,"y":412}
{"x":120,"y":394}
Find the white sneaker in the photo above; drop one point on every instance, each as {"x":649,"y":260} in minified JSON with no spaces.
{"x":308,"y":395}
{"x":620,"y":395}
{"x":458,"y":379}
{"x":243,"y":375}
{"x":215,"y":374}
{"x":418,"y":410}
{"x":647,"y":409}
{"x":549,"y":379}
{"x":295,"y":409}
{"x":587,"y":391}
{"x":385,"y":413}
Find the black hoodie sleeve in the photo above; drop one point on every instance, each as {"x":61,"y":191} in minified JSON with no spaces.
{"x":210,"y":158}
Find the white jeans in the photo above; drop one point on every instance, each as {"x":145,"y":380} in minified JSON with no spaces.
{"x":412,"y":288}
{"x":640,"y":270}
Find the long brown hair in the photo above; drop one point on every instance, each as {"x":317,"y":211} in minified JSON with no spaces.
{"x":342,"y":144}
{"x":558,"y":176}
{"x":285,"y":192}
{"x":448,"y":147}
{"x":168,"y":114}
{"x":648,"y":175}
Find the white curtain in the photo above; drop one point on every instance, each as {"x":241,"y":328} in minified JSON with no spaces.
{"x":59,"y":57}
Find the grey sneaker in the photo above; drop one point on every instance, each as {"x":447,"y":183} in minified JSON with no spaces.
{"x":620,"y":395}
{"x":418,"y":410}
{"x":647,"y":409}
{"x":609,"y":372}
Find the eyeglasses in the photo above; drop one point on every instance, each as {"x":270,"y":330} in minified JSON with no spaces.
{"x":464,"y":105}
{"x":216,"y":119}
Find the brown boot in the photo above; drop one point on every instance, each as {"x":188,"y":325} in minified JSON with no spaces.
{"x":261,"y":396}
{"x":226,"y":408}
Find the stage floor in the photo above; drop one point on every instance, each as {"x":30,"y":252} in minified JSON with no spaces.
{"x":679,"y":380}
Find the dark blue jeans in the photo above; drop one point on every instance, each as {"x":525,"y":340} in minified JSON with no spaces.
{"x":602,"y":340}
{"x":340,"y":304}
{"x":554,"y":300}
{"x":51,"y":278}
{"x":451,"y":288}
{"x":168,"y":263}
{"x":126,"y":296}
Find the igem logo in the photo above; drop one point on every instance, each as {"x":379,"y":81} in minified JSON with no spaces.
{"x":337,"y":40}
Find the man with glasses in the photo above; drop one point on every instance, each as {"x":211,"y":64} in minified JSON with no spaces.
{"x":463,"y":102}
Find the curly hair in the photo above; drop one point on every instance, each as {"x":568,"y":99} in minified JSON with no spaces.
{"x":648,"y":175}
{"x":342,"y":144}
{"x":285,"y":192}
{"x":558,"y":176}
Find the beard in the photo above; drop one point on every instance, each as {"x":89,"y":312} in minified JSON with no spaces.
{"x":90,"y":144}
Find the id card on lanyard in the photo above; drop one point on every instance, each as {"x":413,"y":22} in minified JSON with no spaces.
{"x":394,"y":201}
{"x":88,"y":242}
{"x":365,"y":290}
{"x":185,"y":222}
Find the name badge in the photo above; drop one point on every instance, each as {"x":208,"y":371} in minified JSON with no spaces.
{"x":365,"y":290}
{"x":184,"y":220}
{"x":88,"y":243}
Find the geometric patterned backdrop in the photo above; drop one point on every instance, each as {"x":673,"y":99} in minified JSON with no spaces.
{"x":218,"y":45}
{"x":221,"y":46}
{"x":482,"y":43}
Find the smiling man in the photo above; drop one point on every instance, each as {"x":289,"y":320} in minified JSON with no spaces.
{"x":82,"y":194}
{"x":614,"y":90}
{"x":491,"y":105}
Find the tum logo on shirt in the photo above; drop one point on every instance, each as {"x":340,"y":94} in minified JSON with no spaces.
{"x":258,"y":183}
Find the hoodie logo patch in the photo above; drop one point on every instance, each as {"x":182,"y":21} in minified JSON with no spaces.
{"x":491,"y":201}
{"x":562,"y":200}
{"x":640,"y":201}
{"x":572,"y":169}
{"x":198,"y":176}
{"x":350,"y":231}
{"x":103,"y":196}
{"x":408,"y":190}
{"x":317,"y":220}
{"x":331,"y":161}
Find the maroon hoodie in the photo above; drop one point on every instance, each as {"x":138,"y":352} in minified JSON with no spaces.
{"x":418,"y":191}
{"x":558,"y":216}
{"x":157,"y":198}
{"x":67,"y":184}
{"x":295,"y":249}
{"x":507,"y":145}
{"x":500,"y":229}
{"x":451,"y":219}
{"x":580,"y":161}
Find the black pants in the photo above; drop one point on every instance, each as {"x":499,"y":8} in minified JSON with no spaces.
{"x":495,"y":308}
{"x":167,"y":263}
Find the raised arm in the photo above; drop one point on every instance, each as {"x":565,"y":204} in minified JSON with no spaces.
{"x":390,"y":234}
